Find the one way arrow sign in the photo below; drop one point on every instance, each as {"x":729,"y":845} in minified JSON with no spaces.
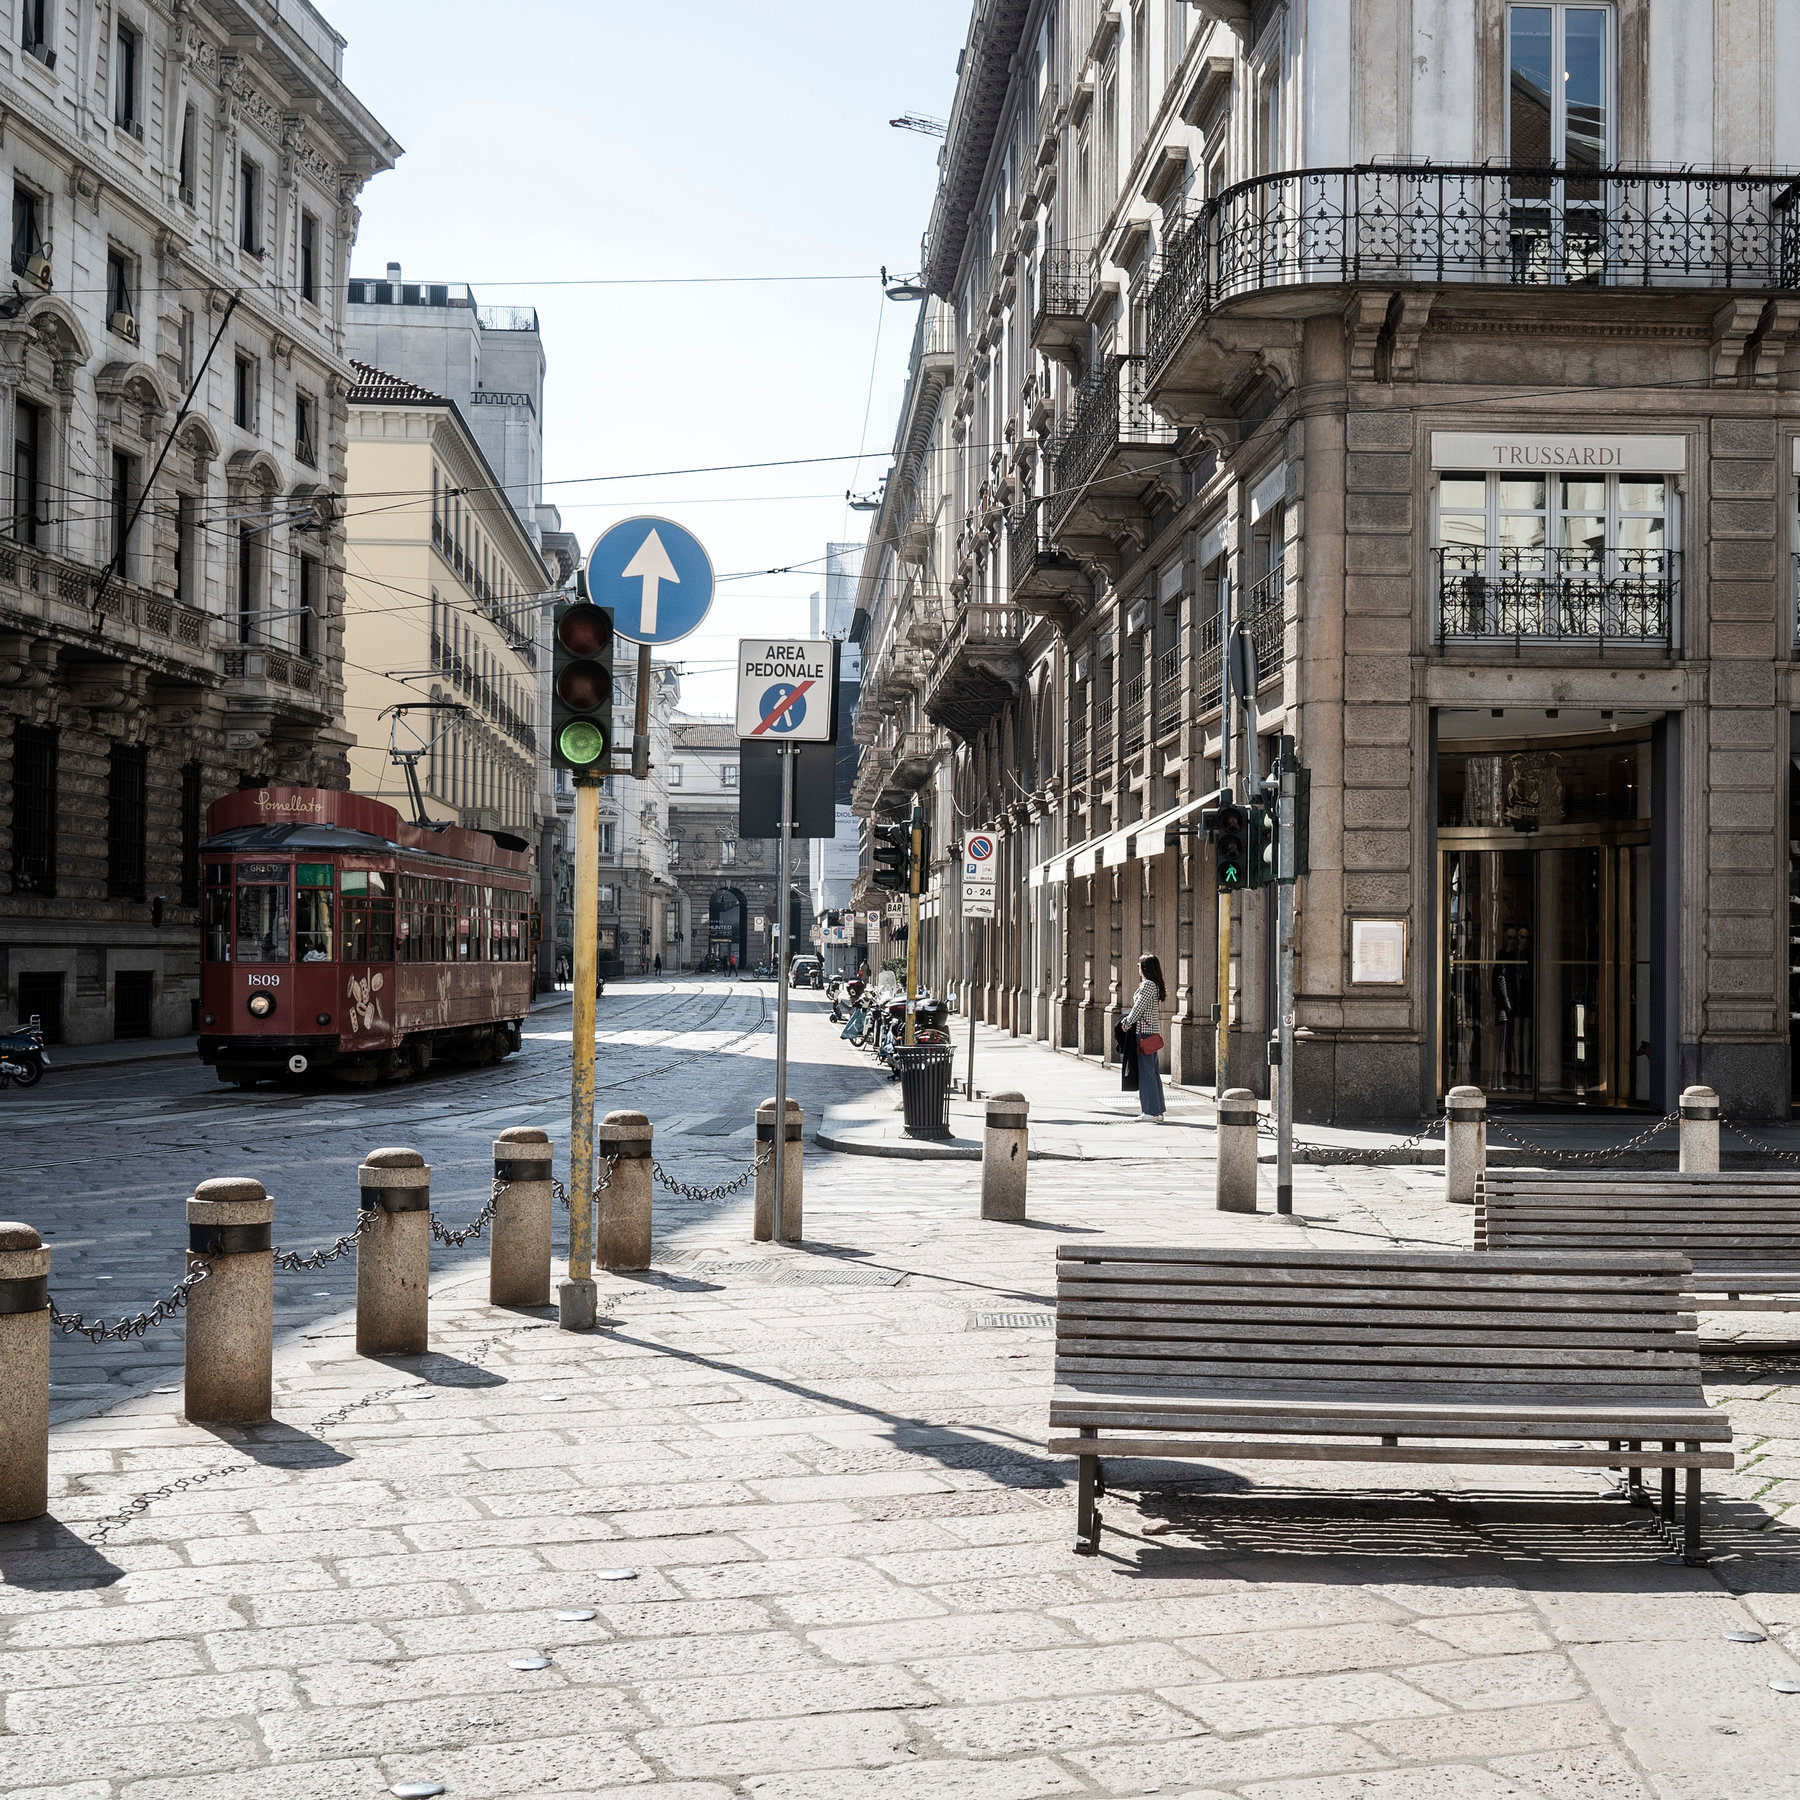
{"x":655,"y":576}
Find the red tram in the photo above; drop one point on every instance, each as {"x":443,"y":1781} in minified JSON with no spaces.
{"x":336,"y":936}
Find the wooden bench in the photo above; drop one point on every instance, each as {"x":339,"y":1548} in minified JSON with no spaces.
{"x":1519,"y":1359}
{"x":1741,"y":1232}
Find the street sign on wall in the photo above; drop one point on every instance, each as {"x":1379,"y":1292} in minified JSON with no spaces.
{"x":784,"y":692}
{"x":655,"y":576}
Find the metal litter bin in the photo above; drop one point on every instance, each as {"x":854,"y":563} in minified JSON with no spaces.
{"x":924,"y":1072}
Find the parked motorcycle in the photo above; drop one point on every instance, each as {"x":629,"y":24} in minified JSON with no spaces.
{"x":22,"y":1058}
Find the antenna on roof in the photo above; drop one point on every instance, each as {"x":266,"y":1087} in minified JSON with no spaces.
{"x":925,"y":127}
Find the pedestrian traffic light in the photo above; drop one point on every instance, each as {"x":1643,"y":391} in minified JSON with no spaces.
{"x":581,"y":721}
{"x":893,"y":851}
{"x":1260,"y":866}
{"x":1231,"y":848}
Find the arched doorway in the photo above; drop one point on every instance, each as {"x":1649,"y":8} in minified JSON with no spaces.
{"x":725,"y":926}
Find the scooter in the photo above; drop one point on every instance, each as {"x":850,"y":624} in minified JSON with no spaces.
{"x":22,"y":1058}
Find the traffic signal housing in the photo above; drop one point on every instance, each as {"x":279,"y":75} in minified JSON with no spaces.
{"x":1261,"y":868}
{"x":581,"y":688}
{"x":1230,"y":826}
{"x":892,"y":854}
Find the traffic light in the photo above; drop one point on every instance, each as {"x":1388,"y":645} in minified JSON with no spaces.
{"x":1260,"y":827}
{"x":581,"y":703}
{"x":1231,"y":847}
{"x":893,"y":851}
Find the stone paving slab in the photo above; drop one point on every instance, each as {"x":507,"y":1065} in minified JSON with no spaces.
{"x":850,"y":1563}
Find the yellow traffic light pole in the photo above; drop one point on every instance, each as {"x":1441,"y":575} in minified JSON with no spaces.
{"x":576,"y":1299}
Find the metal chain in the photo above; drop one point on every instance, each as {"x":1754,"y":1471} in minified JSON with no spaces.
{"x":1585,"y":1156}
{"x":689,"y":1192}
{"x":607,"y":1165}
{"x":1737,"y":1131}
{"x":295,"y":1262}
{"x":455,"y":1236}
{"x":1346,"y":1153}
{"x":98,"y":1332}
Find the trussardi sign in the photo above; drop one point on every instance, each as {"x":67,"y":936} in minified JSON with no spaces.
{"x":1624,"y":454}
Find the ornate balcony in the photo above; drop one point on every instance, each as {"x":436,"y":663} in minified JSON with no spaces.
{"x":1505,"y":595}
{"x":1044,"y":579}
{"x":1059,"y":325}
{"x":1502,"y":227}
{"x":979,"y":670}
{"x":1265,"y":612}
{"x":1113,"y":436}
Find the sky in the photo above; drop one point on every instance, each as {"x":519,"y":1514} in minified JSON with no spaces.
{"x":554,"y":142}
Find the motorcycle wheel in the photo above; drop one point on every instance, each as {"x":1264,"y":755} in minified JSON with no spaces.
{"x":33,"y":1074}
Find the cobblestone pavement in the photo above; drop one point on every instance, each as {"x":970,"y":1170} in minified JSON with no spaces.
{"x":802,"y":1495}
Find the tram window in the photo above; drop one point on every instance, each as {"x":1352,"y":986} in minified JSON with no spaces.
{"x":262,"y":924}
{"x":314,"y":875}
{"x":218,"y":874}
{"x":313,"y":913}
{"x":217,"y":921}
{"x":354,"y":881}
{"x":381,"y":930}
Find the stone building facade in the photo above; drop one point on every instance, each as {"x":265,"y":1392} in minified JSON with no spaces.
{"x":184,"y":182}
{"x":1446,"y":351}
{"x":729,"y":884}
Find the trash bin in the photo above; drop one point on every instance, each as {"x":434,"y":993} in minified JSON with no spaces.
{"x":924,"y":1072}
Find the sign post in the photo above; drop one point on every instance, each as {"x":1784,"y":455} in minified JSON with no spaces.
{"x":577,"y":1300}
{"x":785,"y":696}
{"x":979,"y":892}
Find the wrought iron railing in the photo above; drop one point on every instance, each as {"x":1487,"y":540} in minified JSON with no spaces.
{"x":1265,"y":613}
{"x":1168,"y":690}
{"x":1503,"y":594}
{"x":1209,"y":666}
{"x":1135,"y":707}
{"x":1109,"y":410}
{"x":1103,"y":735}
{"x":1078,"y":748}
{"x":1065,"y":285}
{"x":1510,"y":227}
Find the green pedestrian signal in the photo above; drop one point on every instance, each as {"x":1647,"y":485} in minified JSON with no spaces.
{"x":1231,"y":848}
{"x":581,"y":702}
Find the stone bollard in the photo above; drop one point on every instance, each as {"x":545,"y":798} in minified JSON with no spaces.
{"x":623,"y":1206}
{"x":24,"y":1373}
{"x":393,"y":1255}
{"x":519,"y":1250}
{"x":1699,"y":1131}
{"x":1465,"y":1143}
{"x":230,"y":1331}
{"x":793,"y":1173}
{"x":1237,"y":1151}
{"x":1005,"y":1151}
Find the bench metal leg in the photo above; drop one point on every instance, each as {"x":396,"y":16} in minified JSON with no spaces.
{"x":1668,"y":1491}
{"x":1690,"y":1517}
{"x":1087,"y":1513}
{"x":1635,"y":1477}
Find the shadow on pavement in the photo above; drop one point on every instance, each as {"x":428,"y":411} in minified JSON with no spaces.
{"x":44,"y":1556}
{"x":276,"y":1445}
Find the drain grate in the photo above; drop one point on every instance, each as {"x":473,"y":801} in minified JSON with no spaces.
{"x":1010,"y":1321}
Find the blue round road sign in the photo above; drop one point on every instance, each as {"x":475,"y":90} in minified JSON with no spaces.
{"x":791,"y":714}
{"x":655,"y":576}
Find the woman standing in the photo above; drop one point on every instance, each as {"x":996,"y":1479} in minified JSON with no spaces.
{"x":1146,"y":1021}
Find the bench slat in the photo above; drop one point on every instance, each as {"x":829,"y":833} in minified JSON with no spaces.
{"x":1520,"y":1456}
{"x":1388,"y":1419}
{"x":1310,"y":1349}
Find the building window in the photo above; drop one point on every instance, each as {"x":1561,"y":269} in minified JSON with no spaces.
{"x":184,"y":346}
{"x":1268,"y":117}
{"x":124,"y":493}
{"x":28,"y":256}
{"x":186,"y":568}
{"x":309,"y":259}
{"x":28,"y":492}
{"x":250,"y":191}
{"x":34,"y":810}
{"x":1559,"y":87}
{"x":121,"y":313}
{"x":1140,"y":69}
{"x":674,"y":775}
{"x":125,"y":82}
{"x":127,"y":821}
{"x":305,"y":414}
{"x":246,"y":583}
{"x":606,"y":840}
{"x":189,"y":164}
{"x":309,"y":604}
{"x":191,"y":774}
{"x":243,"y":400}
{"x":31,"y":32}
{"x":728,"y":775}
{"x":728,"y":852}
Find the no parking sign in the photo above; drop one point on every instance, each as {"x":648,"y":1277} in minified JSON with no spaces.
{"x":979,"y":880}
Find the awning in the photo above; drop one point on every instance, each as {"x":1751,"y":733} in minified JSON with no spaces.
{"x":1117,"y":848}
{"x":1155,"y":835}
{"x":1083,"y":862}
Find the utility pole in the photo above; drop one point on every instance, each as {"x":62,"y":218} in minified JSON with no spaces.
{"x":640,"y":727}
{"x":914,"y":866}
{"x":1228,"y":792}
{"x":1286,"y":869}
{"x":784,"y":876}
{"x":576,"y":1299}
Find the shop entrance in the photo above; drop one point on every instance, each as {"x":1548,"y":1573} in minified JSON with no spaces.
{"x":1544,"y":924}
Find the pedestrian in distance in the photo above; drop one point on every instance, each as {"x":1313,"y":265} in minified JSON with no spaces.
{"x":1145,"y":1020}
{"x":657,"y":965}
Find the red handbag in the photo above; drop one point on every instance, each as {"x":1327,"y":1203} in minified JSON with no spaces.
{"x":1153,"y":1043}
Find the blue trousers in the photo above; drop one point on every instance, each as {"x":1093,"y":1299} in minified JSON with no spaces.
{"x":1150,"y":1092}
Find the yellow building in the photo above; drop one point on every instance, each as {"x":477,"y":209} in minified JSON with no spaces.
{"x":443,"y":590}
